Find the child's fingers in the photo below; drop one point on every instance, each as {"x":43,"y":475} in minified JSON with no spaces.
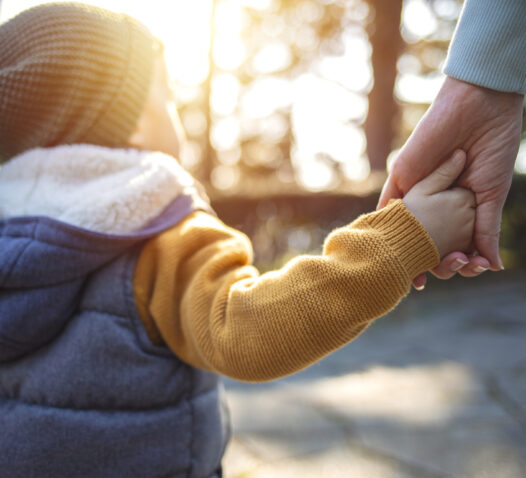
{"x":465,"y":196}
{"x":445,"y":175}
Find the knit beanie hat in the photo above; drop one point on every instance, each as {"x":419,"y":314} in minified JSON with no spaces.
{"x":71,"y":73}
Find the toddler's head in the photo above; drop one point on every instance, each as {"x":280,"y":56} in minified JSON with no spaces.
{"x":73,"y":73}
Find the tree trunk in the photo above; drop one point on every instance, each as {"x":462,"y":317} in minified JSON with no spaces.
{"x":386,"y":42}
{"x":208,"y":155}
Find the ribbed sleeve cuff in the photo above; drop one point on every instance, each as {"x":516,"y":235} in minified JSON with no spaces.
{"x":489,"y":45}
{"x":406,"y":237}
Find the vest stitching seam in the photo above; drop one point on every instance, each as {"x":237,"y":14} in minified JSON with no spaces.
{"x":190,"y":400}
{"x":64,"y":246}
{"x":181,"y":405}
{"x":102,"y":312}
{"x":15,"y":262}
{"x":132,"y":316}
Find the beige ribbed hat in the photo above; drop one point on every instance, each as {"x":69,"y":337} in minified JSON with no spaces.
{"x":71,"y":73}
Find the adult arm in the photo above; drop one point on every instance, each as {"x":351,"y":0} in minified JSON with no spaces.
{"x":478,"y":110}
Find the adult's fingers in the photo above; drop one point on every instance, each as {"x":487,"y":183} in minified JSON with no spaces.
{"x":456,"y":262}
{"x":389,"y":191}
{"x":477,"y":265}
{"x":450,"y":265}
{"x":486,"y":236}
{"x":440,"y":131}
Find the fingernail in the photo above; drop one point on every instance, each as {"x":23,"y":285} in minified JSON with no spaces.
{"x":458,"y":264}
{"x":420,"y":287}
{"x":480,"y":269}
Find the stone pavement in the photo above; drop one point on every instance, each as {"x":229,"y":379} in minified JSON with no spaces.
{"x":435,"y":390}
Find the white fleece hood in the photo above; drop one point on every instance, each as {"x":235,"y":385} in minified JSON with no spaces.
{"x":116,"y":191}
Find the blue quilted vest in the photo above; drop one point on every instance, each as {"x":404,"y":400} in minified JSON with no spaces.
{"x":83,"y":392}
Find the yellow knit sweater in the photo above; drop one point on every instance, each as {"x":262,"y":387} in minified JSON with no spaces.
{"x":197,"y":292}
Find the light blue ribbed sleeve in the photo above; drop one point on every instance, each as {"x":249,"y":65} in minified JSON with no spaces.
{"x":489,"y":45}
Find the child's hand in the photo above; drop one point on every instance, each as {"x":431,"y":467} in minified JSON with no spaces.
{"x":448,"y":215}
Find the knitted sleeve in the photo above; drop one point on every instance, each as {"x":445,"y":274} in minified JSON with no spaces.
{"x":489,"y":45}
{"x":197,"y":292}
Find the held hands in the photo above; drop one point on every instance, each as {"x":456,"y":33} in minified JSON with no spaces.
{"x":484,"y":123}
{"x":448,"y":215}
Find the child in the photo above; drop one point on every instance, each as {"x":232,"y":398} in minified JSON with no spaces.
{"x":122,"y":295}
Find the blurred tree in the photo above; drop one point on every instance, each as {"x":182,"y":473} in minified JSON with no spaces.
{"x":258,"y":49}
{"x":386,"y":42}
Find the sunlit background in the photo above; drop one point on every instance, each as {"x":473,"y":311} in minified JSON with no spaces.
{"x":284,"y":98}
{"x":292,"y":110}
{"x":280,"y":90}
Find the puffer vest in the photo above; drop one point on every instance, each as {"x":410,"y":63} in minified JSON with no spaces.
{"x":83,"y":392}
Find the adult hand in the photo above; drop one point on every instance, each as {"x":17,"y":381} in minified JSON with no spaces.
{"x":484,"y":123}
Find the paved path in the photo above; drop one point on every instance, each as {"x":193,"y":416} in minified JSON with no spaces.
{"x":435,"y":390}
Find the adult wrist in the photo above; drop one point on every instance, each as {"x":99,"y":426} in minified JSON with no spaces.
{"x":468,"y":104}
